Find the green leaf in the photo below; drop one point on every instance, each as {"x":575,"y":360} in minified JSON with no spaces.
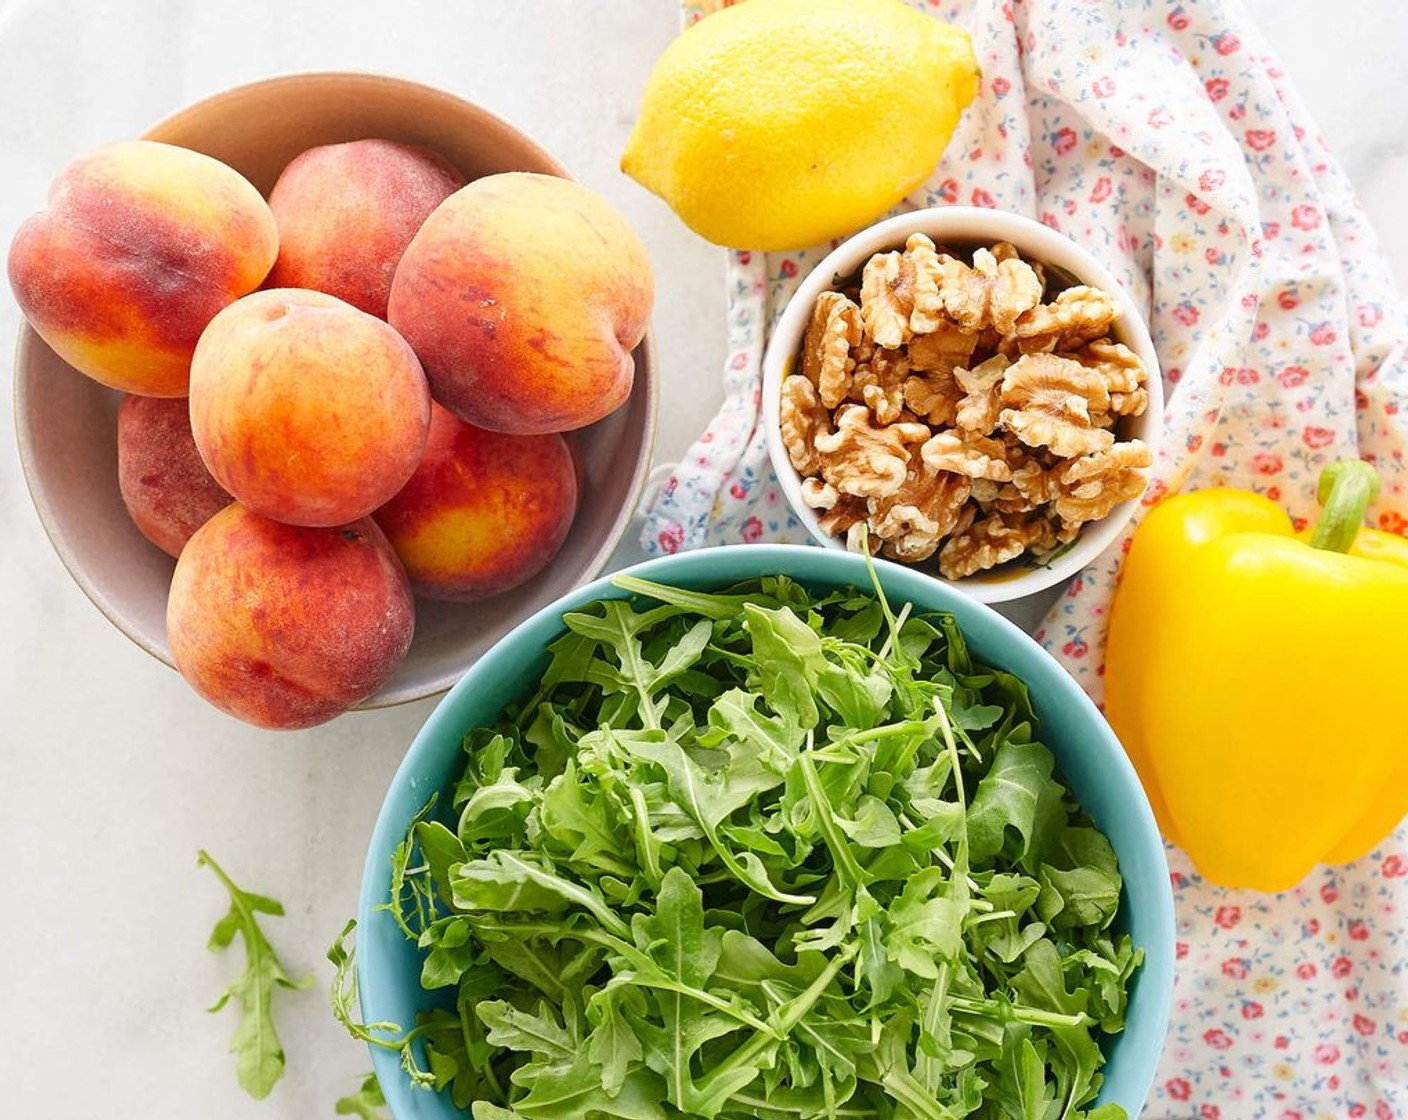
{"x":537,"y":1033}
{"x":1020,"y":1085}
{"x":259,"y":1055}
{"x":1084,"y":890}
{"x":734,"y":715}
{"x":1007,"y":798}
{"x":924,"y":927}
{"x":709,"y":797}
{"x":575,"y":1092}
{"x":452,"y":952}
{"x":613,"y":1043}
{"x":367,"y":1102}
{"x":874,"y":826}
{"x":508,"y":881}
{"x":788,"y":661}
{"x":496,"y":810}
{"x":577,"y":817}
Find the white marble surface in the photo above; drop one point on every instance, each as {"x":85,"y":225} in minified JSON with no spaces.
{"x":112,"y":772}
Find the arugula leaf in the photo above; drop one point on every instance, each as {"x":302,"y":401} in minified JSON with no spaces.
{"x":1008,"y":798}
{"x":367,"y":1102}
{"x":259,"y":1055}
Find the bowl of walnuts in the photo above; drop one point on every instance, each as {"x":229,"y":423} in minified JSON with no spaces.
{"x":966,"y":391}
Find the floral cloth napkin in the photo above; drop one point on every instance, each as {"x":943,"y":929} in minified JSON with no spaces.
{"x":1164,"y":137}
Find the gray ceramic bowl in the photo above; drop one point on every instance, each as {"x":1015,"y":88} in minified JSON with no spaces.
{"x":66,"y":423}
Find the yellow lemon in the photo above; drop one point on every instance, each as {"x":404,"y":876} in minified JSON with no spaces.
{"x":778,"y":124}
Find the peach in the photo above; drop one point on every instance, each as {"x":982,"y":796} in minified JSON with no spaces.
{"x":141,"y":245}
{"x":524,"y":295}
{"x":306,"y":409}
{"x":346,"y":213}
{"x":483,"y":512}
{"x":163,"y":481}
{"x":284,"y":626}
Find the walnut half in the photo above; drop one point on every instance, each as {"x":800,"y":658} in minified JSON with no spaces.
{"x":1093,"y":485}
{"x":1047,"y":401}
{"x":866,"y":461}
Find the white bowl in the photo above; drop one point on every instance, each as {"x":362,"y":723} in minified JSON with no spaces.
{"x":66,"y":422}
{"x":962,"y":227}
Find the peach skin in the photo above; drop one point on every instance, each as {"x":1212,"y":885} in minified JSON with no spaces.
{"x":346,"y":213}
{"x":484,"y":511}
{"x":141,"y":244}
{"x":286,"y":627}
{"x":306,"y":409}
{"x":165,"y":486}
{"x":524,"y":295}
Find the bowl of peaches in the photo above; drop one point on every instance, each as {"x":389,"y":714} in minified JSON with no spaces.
{"x":325,"y":383}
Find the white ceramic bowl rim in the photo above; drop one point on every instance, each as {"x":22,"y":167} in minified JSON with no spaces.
{"x":963,"y":225}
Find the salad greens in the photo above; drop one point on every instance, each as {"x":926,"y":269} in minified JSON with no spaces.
{"x":762,"y":854}
{"x":259,"y":1055}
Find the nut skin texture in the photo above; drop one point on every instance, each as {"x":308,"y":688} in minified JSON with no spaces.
{"x":165,"y":486}
{"x":142,"y":243}
{"x":306,"y":409}
{"x":286,"y":627}
{"x":484,"y":511}
{"x":346,"y":213}
{"x":524,"y":295}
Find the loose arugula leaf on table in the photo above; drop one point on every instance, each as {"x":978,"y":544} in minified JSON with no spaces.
{"x":259,"y":1055}
{"x":761,"y":854}
{"x":367,"y":1102}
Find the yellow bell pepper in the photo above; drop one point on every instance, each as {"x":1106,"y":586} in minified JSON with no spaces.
{"x":1259,"y":679}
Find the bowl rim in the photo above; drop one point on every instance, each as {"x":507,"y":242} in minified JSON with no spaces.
{"x":444,"y":726}
{"x":27,"y":336}
{"x":977,"y":224}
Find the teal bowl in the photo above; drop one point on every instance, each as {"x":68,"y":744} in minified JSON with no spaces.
{"x":1088,"y":755}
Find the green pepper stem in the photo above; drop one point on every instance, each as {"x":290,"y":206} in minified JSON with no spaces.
{"x":1347,"y":486}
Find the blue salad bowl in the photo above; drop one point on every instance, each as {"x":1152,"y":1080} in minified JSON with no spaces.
{"x":1089,"y":759}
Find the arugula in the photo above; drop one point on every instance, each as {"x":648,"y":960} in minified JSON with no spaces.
{"x":259,"y":1055}
{"x":768,"y":854}
{"x":367,"y":1102}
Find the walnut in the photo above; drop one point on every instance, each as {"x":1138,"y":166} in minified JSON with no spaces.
{"x":1122,"y":373}
{"x":967,"y":454}
{"x":826,"y":348}
{"x":1036,"y":483}
{"x":1094,"y":484}
{"x":817,"y":493}
{"x":934,"y":397}
{"x":985,"y":492}
{"x":866,"y":461}
{"x":879,"y":384}
{"x":1047,"y":401}
{"x":989,"y":293}
{"x":803,"y":419}
{"x":987,"y":543}
{"x":928,"y":311}
{"x":887,"y":298}
{"x":844,"y":517}
{"x":1006,"y":251}
{"x":1075,"y":317}
{"x":1009,"y":499}
{"x":943,"y":348}
{"x":915,"y":518}
{"x":982,"y":388}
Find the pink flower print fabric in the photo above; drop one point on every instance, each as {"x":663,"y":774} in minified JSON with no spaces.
{"x":1164,"y":137}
